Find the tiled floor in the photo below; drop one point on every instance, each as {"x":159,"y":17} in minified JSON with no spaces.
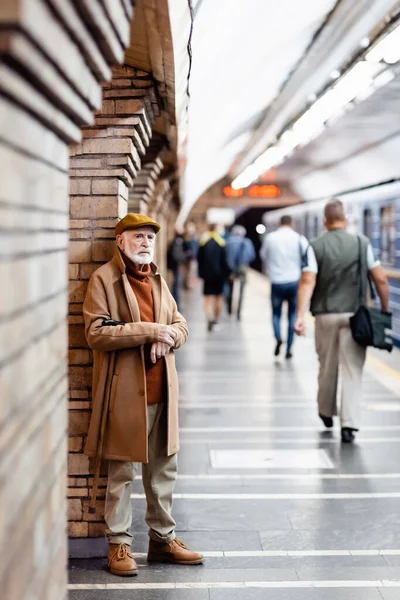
{"x":314,"y":521}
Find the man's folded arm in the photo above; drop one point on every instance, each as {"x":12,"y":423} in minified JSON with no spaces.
{"x":106,"y":338}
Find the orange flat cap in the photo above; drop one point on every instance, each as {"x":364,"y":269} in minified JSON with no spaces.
{"x":134,"y":221}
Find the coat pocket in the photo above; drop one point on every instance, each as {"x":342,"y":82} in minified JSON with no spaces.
{"x":113,"y":392}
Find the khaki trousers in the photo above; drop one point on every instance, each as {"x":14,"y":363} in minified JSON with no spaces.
{"x":159,"y":476}
{"x":336,"y":348}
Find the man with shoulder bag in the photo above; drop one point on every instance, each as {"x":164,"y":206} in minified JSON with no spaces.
{"x":335,"y":281}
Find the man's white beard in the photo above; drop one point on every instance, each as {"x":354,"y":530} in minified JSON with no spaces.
{"x":140,"y":259}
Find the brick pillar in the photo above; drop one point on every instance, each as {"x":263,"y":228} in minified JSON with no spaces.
{"x":52,"y":60}
{"x":103,"y":168}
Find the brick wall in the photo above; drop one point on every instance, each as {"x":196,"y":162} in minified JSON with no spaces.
{"x":114,"y":161}
{"x":52,"y":58}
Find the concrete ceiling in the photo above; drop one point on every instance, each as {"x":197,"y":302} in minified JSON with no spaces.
{"x":242,"y":54}
{"x":254,"y":65}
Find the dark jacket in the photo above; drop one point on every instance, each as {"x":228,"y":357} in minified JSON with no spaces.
{"x":176,"y":253}
{"x":212,"y":263}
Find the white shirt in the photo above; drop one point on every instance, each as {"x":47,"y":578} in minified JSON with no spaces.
{"x":312,"y":266}
{"x":280,"y":252}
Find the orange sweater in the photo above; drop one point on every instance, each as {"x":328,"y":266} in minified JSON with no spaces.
{"x":141,"y":286}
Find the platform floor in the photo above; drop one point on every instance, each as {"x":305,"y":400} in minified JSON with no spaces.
{"x":279,"y":507}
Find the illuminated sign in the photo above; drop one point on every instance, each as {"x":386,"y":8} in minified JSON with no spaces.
{"x":254,"y":191}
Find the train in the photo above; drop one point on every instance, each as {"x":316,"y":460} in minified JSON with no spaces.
{"x":374,"y":212}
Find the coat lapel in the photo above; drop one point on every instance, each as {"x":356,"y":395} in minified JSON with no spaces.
{"x":157,"y":296}
{"x":131,"y":298}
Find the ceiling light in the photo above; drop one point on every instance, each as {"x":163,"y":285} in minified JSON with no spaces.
{"x":246,"y":177}
{"x":364,"y":42}
{"x":356,"y":84}
{"x":260,"y":228}
{"x":387,"y":49}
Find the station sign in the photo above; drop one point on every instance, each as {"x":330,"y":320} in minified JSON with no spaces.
{"x":253,"y":191}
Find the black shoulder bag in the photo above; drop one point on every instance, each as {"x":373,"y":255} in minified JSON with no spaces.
{"x":370,"y":326}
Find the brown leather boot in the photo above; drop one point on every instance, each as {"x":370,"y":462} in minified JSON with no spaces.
{"x":120,"y":560}
{"x":175,"y":552}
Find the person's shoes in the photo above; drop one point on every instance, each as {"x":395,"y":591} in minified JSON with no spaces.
{"x":120,"y":560}
{"x":328,"y":421}
{"x":278,"y":347}
{"x":288,"y":354}
{"x":348,"y":436}
{"x":175,"y":552}
{"x":210,"y":325}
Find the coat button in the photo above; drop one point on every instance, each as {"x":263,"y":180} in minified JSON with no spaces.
{"x":141,"y":393}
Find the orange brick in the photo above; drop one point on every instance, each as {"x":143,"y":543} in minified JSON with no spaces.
{"x":80,"y":234}
{"x":128,"y":107}
{"x":86,"y":271}
{"x":77,"y":492}
{"x":79,"y":224}
{"x":74,"y":510}
{"x":80,"y":357}
{"x":79,"y":405}
{"x":75,"y":319}
{"x":96,"y":529}
{"x":99,"y":511}
{"x":122,"y":71}
{"x":79,"y":394}
{"x":79,"y":186}
{"x":80,"y":377}
{"x":78,"y":464}
{"x":104,"y":187}
{"x":77,"y":481}
{"x":78,"y":422}
{"x":78,"y":529}
{"x":94,"y":207}
{"x":105,"y":233}
{"x":73,"y":271}
{"x":108,"y":145}
{"x":102,"y":251}
{"x":79,"y":251}
{"x":75,"y":444}
{"x":75,"y":308}
{"x":77,"y":336}
{"x":77,"y":291}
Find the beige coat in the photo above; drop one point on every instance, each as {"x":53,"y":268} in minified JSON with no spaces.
{"x":110,"y":296}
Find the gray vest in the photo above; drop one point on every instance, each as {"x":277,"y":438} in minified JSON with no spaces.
{"x":338,"y":281}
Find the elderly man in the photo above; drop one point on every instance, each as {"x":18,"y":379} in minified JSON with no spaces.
{"x":133,"y":327}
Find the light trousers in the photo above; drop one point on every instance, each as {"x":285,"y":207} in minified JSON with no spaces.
{"x":159,"y":476}
{"x":338,"y":355}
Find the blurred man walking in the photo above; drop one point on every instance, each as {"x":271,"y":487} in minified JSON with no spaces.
{"x":282,"y":252}
{"x":214,"y":270}
{"x":239,"y":254}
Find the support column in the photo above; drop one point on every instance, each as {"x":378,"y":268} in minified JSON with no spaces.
{"x":52,"y":58}
{"x":103,"y":168}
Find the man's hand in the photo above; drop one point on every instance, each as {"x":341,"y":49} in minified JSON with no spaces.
{"x":158,"y":350}
{"x":166,"y":335}
{"x":300,"y":326}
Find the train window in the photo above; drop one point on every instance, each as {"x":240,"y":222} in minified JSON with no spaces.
{"x":388,"y":235}
{"x":368,"y":223}
{"x":316,"y":226}
{"x":307,"y":226}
